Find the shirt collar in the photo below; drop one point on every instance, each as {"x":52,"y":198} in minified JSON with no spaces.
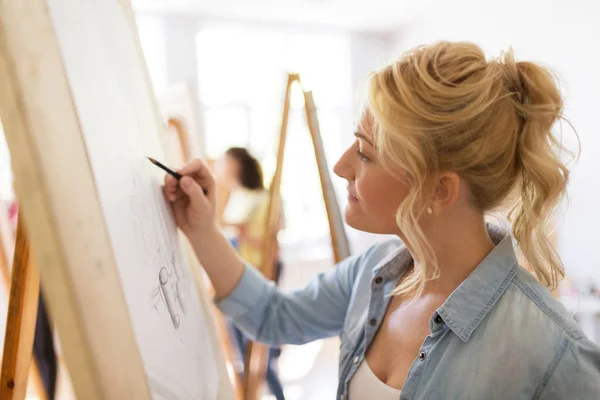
{"x":476,"y":295}
{"x":393,"y":266}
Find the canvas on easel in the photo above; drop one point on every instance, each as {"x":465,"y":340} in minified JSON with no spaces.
{"x":256,"y":363}
{"x":80,"y":117}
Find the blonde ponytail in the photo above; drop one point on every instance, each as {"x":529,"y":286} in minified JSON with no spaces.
{"x":543,"y":175}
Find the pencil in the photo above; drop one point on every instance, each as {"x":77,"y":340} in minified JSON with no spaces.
{"x":167,"y":169}
{"x":170,"y":171}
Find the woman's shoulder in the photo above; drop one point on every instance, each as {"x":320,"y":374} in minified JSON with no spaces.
{"x":538,"y":304}
{"x":543,"y":327}
{"x":548,"y":331}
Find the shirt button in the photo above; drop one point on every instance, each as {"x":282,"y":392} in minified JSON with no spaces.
{"x":438,"y":319}
{"x":356,"y":360}
{"x":378,"y":280}
{"x":422,"y":356}
{"x":373,"y":322}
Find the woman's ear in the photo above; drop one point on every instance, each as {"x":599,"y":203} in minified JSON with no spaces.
{"x":447,"y":190}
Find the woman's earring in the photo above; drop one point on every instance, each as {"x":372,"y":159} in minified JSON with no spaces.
{"x":429,"y":210}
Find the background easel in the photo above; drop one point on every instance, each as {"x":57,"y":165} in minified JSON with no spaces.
{"x":256,"y":363}
{"x":17,"y":362}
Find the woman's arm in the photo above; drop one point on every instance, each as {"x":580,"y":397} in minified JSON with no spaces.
{"x":265,"y":313}
{"x":276,"y":317}
{"x":220,"y":261}
{"x":270,"y":315}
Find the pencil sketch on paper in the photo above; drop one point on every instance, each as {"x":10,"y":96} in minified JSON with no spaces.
{"x":148,"y":219}
{"x":171,"y":295}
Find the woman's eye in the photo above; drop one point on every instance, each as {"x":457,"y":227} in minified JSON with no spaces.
{"x":362,"y":156}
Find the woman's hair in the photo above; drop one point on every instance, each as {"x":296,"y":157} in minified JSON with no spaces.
{"x":250,"y":172}
{"x":445,"y":108}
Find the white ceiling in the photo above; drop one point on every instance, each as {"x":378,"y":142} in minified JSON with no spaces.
{"x":359,"y":15}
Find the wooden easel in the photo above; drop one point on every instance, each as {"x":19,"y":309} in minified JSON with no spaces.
{"x":17,"y":363}
{"x":258,"y":353}
{"x":55,"y":132}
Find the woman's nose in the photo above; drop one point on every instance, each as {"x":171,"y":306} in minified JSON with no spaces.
{"x":343,"y":167}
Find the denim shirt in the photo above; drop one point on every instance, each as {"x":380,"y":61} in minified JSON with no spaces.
{"x":499,"y":335}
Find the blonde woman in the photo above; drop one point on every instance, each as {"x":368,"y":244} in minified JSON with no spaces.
{"x":445,"y":312}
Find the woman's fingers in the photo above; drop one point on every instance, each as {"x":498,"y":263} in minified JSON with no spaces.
{"x":193,"y":190}
{"x":201,"y":176}
{"x":170,"y":196}
{"x":194,"y":167}
{"x":197,"y":170}
{"x":170,"y":183}
{"x":171,"y":190}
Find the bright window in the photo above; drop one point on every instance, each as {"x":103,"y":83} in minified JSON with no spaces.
{"x":242,"y":75}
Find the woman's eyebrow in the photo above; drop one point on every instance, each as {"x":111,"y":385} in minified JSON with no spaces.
{"x":362,"y":136}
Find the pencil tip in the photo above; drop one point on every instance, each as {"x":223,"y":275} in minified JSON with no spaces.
{"x":152,"y":160}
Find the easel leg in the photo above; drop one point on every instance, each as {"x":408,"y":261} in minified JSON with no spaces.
{"x":20,"y":322}
{"x":36,"y":378}
{"x":258,"y":355}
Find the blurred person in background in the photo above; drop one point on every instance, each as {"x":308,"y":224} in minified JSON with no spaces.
{"x":244,"y":221}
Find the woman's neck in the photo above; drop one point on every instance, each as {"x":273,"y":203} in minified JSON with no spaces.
{"x":458,"y":253}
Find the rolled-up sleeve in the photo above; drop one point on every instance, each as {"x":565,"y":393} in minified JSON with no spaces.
{"x":577,"y":373}
{"x":246,"y":295}
{"x":276,"y":317}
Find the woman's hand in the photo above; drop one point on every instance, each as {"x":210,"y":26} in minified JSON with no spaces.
{"x":195,"y":215}
{"x":193,"y":209}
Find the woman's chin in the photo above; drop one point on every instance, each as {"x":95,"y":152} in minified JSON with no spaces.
{"x":353,"y":219}
{"x":356,"y":219}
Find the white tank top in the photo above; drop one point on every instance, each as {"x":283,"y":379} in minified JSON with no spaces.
{"x":365,"y":385}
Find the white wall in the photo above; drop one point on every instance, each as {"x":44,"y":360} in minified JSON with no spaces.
{"x":169,"y":45}
{"x":368,"y":52}
{"x":563,"y":35}
{"x":151,"y":29}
